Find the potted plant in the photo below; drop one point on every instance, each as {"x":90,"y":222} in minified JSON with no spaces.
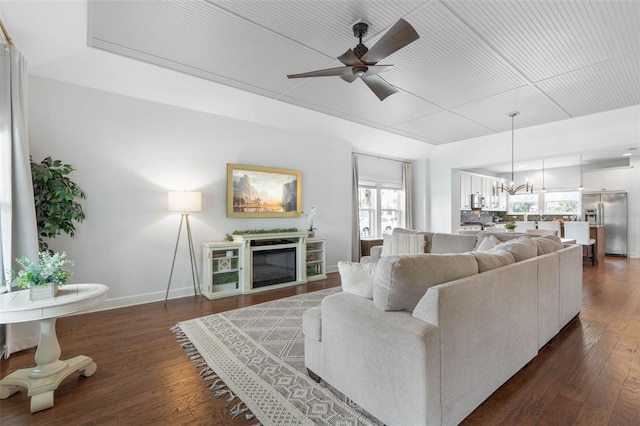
{"x":43,"y":277}
{"x":225,"y":281}
{"x":55,"y":199}
{"x":510,"y":226}
{"x":311,"y":215}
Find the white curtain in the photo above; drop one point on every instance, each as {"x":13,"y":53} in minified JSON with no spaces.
{"x":407,"y":186}
{"x":18,"y":230}
{"x":355,"y":212}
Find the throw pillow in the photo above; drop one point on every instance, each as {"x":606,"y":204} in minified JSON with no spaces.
{"x":521,"y":248}
{"x":493,"y":259}
{"x":357,"y":278}
{"x":407,"y":243}
{"x":487,"y":243}
{"x":546,"y":245}
{"x":386,"y":245}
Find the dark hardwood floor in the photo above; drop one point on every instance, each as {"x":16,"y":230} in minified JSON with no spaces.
{"x":590,"y":374}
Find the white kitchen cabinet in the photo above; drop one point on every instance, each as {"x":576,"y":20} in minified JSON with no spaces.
{"x":465,"y":191}
{"x":474,"y":184}
{"x":606,"y":180}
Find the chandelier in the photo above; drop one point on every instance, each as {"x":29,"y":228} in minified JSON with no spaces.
{"x":512,"y":189}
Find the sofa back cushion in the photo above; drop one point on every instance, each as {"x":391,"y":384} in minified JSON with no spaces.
{"x":401,"y":281}
{"x":452,"y":243}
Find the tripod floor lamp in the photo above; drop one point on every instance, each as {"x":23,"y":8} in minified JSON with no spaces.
{"x":185,"y":202}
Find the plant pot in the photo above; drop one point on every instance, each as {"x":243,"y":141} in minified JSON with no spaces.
{"x":225,"y":286}
{"x":312,"y":234}
{"x":39,"y":292}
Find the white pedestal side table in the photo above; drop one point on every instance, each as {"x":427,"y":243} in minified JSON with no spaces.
{"x":41,"y":381}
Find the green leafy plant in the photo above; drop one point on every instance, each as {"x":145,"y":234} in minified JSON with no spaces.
{"x":510,"y":225}
{"x":265,"y":231}
{"x":50,"y":268}
{"x":55,"y":199}
{"x":225,"y":278}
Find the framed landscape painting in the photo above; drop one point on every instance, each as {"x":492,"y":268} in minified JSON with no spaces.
{"x":254,"y":191}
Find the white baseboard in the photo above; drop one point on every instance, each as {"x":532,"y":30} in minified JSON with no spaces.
{"x":157,"y":296}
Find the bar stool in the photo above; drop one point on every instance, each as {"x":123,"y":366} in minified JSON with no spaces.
{"x":551,"y":226}
{"x":579,"y":231}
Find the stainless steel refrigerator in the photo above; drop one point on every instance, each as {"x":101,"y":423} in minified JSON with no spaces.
{"x":609,"y":209}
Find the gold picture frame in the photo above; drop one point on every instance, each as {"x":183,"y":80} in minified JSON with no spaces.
{"x":255,"y":191}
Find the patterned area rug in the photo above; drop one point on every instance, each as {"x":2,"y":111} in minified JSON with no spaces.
{"x":256,"y":354}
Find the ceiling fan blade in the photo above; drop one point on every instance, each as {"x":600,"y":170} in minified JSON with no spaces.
{"x":339,"y":71}
{"x":398,"y":36}
{"x":379,"y":86}
{"x":349,"y":78}
{"x":349,"y":58}
{"x":376,"y":69}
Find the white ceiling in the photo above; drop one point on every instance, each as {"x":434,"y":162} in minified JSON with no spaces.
{"x":475,"y":61}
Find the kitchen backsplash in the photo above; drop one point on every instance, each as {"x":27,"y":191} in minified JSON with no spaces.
{"x":478,"y":216}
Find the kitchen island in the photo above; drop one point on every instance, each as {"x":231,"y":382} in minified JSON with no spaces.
{"x":597,"y":232}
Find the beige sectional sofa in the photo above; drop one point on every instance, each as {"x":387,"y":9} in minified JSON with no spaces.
{"x":442,"y":332}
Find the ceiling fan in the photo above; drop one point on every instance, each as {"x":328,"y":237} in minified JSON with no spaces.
{"x":362,"y":62}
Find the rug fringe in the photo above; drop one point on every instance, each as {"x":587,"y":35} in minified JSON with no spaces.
{"x":218,"y":387}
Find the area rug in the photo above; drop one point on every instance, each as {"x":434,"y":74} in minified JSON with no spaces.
{"x":254,"y":357}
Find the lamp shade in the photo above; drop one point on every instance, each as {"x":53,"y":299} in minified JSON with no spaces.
{"x":185,"y":201}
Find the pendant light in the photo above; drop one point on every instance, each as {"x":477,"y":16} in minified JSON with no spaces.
{"x":512,"y":189}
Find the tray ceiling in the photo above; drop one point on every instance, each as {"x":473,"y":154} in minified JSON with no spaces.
{"x":475,"y":61}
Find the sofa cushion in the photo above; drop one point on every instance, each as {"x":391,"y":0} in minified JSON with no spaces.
{"x":521,"y":248}
{"x":357,"y":278}
{"x":487,"y":243}
{"x":312,"y":323}
{"x":452,"y":243}
{"x":401,"y":281}
{"x":493,"y":259}
{"x":546,"y":245}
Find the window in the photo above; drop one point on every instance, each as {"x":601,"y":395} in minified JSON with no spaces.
{"x":561,"y":202}
{"x":380,"y":208}
{"x":523,"y":203}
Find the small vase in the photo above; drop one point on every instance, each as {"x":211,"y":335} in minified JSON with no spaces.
{"x":312,"y":234}
{"x":39,"y":292}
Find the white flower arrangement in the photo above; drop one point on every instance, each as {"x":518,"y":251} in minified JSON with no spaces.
{"x":50,"y":268}
{"x":310,"y":216}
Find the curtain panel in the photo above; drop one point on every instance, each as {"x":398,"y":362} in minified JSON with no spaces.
{"x":18,"y":229}
{"x":355,"y":211}
{"x":407,"y":186}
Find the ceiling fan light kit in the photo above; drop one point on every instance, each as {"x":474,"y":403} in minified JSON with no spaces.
{"x":361,"y":62}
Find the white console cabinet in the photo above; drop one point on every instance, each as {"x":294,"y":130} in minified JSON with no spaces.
{"x":222,"y":267}
{"x":259,"y":262}
{"x":315,"y":260}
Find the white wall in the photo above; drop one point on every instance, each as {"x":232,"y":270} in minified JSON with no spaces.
{"x":129,"y":152}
